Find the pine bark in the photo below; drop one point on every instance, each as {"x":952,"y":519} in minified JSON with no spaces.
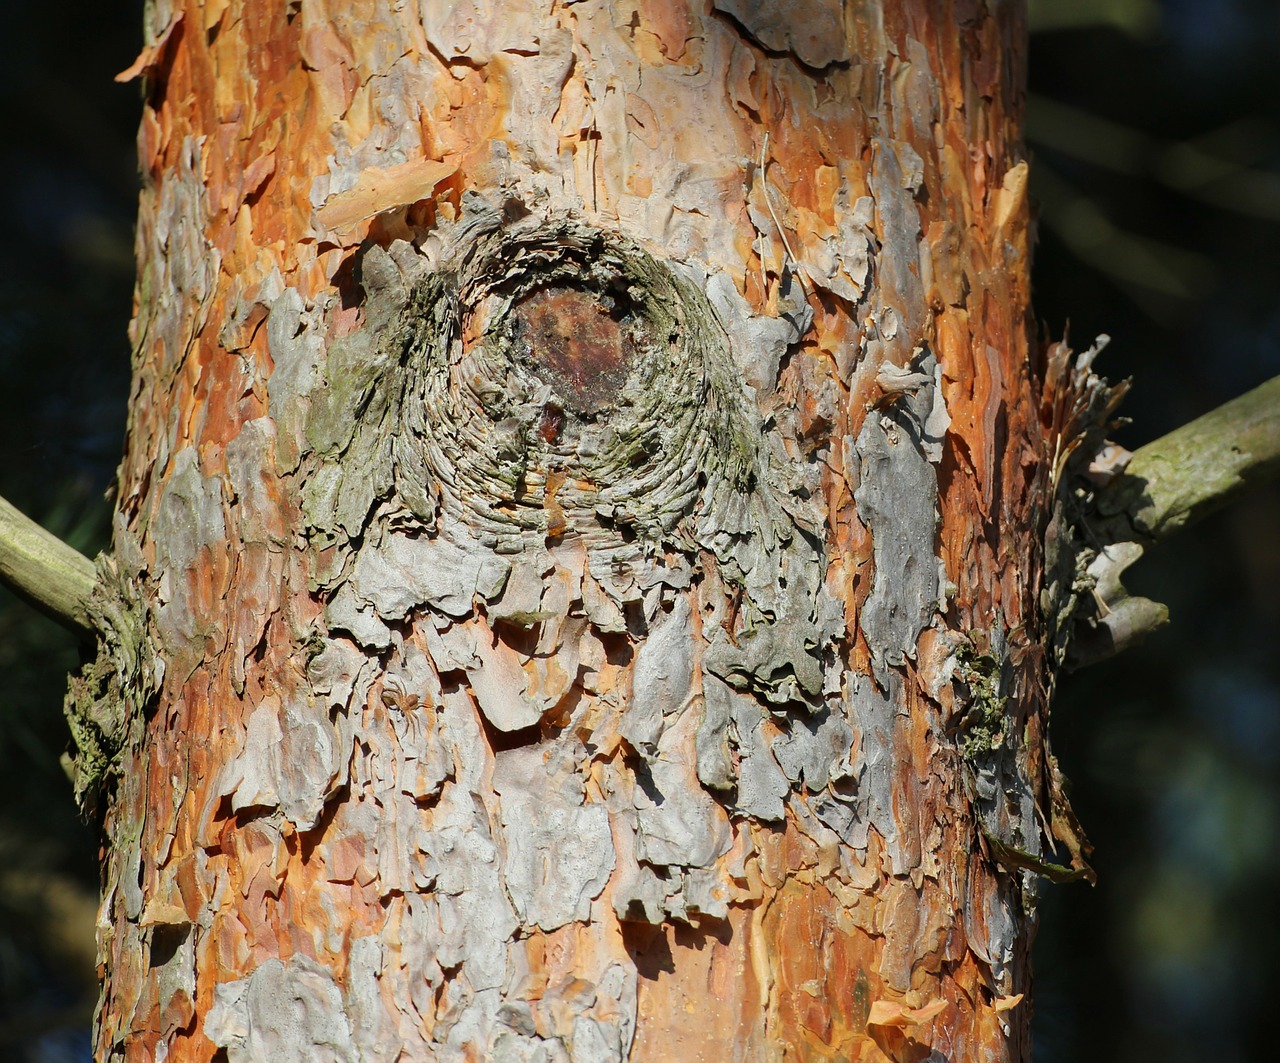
{"x":578,"y":576}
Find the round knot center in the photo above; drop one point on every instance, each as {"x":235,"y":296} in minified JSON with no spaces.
{"x":577,"y":343}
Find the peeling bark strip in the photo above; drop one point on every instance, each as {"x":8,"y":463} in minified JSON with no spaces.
{"x":585,"y":495}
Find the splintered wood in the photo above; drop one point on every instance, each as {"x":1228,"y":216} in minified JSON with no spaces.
{"x":576,"y":449}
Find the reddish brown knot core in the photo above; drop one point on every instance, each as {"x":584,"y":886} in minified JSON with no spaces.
{"x":576,"y":344}
{"x":551,"y":422}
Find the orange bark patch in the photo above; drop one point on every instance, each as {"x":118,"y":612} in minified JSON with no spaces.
{"x":903,"y":1034}
{"x":379,"y":190}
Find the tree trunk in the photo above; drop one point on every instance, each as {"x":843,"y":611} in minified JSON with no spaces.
{"x":577,"y":584}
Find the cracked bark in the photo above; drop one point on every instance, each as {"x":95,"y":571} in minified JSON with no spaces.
{"x":583,"y":538}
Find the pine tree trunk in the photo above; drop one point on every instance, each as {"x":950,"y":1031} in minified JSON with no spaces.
{"x":580,"y":540}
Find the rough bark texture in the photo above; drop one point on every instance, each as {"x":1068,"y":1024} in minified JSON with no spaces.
{"x":586,"y":491}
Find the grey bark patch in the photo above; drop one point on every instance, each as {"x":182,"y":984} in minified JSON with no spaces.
{"x":703,"y":892}
{"x":130,"y":880}
{"x":661,"y":679}
{"x":476,"y":918}
{"x":714,"y":756}
{"x":312,"y":759}
{"x":346,"y":611}
{"x":252,"y":779}
{"x":181,"y":264}
{"x":991,"y":927}
{"x":914,"y":88}
{"x":592,"y":1019}
{"x":512,"y":1047}
{"x":177,"y":975}
{"x":257,"y":512}
{"x":365,"y":477}
{"x":595,"y":1042}
{"x":762,"y":787}
{"x":812,"y":30}
{"x":245,"y":298}
{"x":880,"y":724}
{"x":897,"y":500}
{"x":421,"y":753}
{"x":295,"y":342}
{"x":339,"y":672}
{"x":404,"y":572}
{"x":282,"y":1011}
{"x":678,"y":823}
{"x":654,"y":894}
{"x":937,"y":421}
{"x":350,"y":410}
{"x":291,"y":760}
{"x":758,"y":343}
{"x":639,"y":895}
{"x":495,"y":676}
{"x":815,"y":750}
{"x":397,"y":829}
{"x":189,"y":522}
{"x":521,"y":597}
{"x":558,"y":850}
{"x":840,"y":813}
{"x":899,"y":228}
{"x":517,"y":1016}
{"x":735,"y":719}
{"x":776,"y":661}
{"x":373,"y":1034}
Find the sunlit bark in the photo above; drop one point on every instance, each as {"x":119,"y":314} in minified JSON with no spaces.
{"x":585,"y":497}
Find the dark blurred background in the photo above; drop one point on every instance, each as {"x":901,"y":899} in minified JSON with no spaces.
{"x":68,"y":193}
{"x":1155,"y":132}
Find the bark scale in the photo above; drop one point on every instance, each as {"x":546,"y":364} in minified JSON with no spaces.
{"x":585,"y":498}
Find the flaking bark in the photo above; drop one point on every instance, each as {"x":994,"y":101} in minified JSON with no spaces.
{"x":506,"y":715}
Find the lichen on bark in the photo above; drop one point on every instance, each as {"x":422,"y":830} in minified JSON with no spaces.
{"x":517,"y":549}
{"x":476,"y":466}
{"x":572,"y":641}
{"x":108,"y":697}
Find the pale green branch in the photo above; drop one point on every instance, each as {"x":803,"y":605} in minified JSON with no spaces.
{"x":1167,"y":485}
{"x":1197,"y":469}
{"x":1138,"y":18}
{"x":39,"y":567}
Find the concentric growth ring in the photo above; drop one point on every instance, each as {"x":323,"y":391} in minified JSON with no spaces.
{"x":557,"y":383}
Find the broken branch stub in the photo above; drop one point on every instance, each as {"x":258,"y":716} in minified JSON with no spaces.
{"x":1109,"y":512}
{"x":570,"y":372}
{"x":538,"y":460}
